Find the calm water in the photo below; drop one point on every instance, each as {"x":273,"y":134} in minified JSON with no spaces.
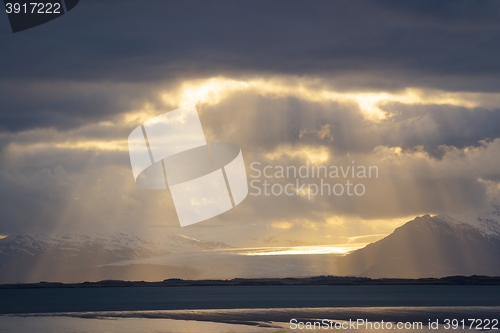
{"x":245,"y":309}
{"x":231,"y":297}
{"x":235,"y":320}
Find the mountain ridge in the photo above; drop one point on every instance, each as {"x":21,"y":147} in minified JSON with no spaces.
{"x":40,"y":256}
{"x":426,"y":247}
{"x":430,"y":247}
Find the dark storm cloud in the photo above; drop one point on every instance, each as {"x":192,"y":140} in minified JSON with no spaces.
{"x":431,"y":126}
{"x":128,"y":40}
{"x":382,"y":45}
{"x":67,"y":104}
{"x":458,"y":14}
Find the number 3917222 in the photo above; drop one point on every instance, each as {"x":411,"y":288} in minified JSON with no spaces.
{"x":33,"y":8}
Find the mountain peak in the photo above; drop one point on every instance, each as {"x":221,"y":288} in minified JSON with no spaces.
{"x":431,"y":246}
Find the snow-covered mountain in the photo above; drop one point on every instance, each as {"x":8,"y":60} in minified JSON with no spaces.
{"x":428,"y":246}
{"x":435,"y":246}
{"x":487,"y":223}
{"x":41,"y":257}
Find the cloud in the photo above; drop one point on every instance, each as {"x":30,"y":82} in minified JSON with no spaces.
{"x":409,"y":87}
{"x":65,"y":105}
{"x":279,"y":115}
{"x":379,"y":44}
{"x":431,"y":126}
{"x":81,"y":178}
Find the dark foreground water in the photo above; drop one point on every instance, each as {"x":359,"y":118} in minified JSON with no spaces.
{"x":276,"y":320}
{"x":242,"y":309}
{"x":238,"y":297}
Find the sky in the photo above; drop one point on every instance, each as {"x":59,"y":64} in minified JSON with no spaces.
{"x":409,"y":87}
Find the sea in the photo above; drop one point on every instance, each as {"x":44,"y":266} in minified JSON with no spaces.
{"x":380,"y":308}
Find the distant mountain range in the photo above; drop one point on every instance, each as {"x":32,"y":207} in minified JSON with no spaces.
{"x":431,"y":247}
{"x":426,"y":247}
{"x":79,"y":257}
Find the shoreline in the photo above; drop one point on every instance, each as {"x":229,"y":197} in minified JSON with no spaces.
{"x":311,"y":281}
{"x":254,"y":317}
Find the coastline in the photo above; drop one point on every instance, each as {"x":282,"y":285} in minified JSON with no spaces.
{"x":310,"y":281}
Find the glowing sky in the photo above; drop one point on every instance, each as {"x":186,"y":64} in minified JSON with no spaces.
{"x":408,"y":87}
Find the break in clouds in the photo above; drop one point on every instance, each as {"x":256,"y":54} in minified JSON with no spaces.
{"x":408,"y":88}
{"x":65,"y":179}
